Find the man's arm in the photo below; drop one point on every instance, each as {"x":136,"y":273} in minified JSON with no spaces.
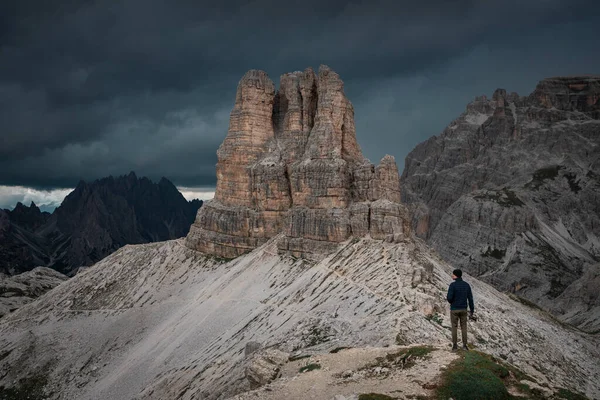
{"x":470,"y":298}
{"x":450,"y":296}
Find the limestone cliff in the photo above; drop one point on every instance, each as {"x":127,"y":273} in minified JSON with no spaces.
{"x":510,"y":192}
{"x":291,"y":163}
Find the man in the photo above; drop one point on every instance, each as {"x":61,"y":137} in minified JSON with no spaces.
{"x":459,"y":293}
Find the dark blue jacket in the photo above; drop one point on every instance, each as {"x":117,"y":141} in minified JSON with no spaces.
{"x":459,"y":293}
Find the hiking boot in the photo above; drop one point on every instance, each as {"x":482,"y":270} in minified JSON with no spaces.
{"x":454,"y":347}
{"x":465,"y":348}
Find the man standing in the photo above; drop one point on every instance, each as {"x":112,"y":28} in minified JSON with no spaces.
{"x":459,"y":293}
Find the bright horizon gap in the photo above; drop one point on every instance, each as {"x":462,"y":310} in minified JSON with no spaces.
{"x":48,"y":200}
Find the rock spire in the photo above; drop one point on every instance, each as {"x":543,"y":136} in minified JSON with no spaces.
{"x":291,"y":164}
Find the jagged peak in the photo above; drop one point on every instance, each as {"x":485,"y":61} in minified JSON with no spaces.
{"x":388,"y":159}
{"x":256,"y":78}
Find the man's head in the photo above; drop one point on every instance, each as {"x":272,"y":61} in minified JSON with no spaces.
{"x":457,"y":273}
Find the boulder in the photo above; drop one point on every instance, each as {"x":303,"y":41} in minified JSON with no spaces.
{"x":264,"y":367}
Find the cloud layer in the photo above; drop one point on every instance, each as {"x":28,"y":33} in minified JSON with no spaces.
{"x":92,"y":88}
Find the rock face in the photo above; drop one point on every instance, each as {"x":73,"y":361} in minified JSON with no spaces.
{"x":291,"y":163}
{"x":264,"y":366}
{"x":18,"y":290}
{"x":510,"y":192}
{"x":93,"y":221}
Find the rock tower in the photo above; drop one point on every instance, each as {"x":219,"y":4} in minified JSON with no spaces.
{"x":291,"y":164}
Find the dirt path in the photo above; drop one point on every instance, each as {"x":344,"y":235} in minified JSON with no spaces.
{"x":351,"y":372}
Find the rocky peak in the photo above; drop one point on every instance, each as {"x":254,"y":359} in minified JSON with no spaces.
{"x":94,"y":220}
{"x":4,"y":222}
{"x":28,"y":217}
{"x":291,"y":163}
{"x":574,"y":93}
{"x":295,"y":107}
{"x":511,"y":186}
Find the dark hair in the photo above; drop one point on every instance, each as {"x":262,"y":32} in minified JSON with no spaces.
{"x":457,"y":272}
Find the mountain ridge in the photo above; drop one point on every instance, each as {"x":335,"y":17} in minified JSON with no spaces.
{"x":93,"y":220}
{"x":509,"y":192}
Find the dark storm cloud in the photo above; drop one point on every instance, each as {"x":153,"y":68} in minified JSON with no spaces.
{"x":91,"y":88}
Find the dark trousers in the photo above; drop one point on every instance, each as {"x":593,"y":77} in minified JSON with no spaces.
{"x":455,"y":316}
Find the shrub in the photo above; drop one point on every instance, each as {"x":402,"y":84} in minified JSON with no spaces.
{"x":310,"y":367}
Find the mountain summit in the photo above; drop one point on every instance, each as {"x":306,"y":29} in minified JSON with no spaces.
{"x":94,"y":220}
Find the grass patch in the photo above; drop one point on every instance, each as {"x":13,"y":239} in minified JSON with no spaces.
{"x":531,"y":394}
{"x":568,"y":395}
{"x":310,"y":367}
{"x":31,"y":388}
{"x":402,"y":359}
{"x":474,"y":377}
{"x":374,"y":396}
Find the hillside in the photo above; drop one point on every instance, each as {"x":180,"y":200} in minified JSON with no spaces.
{"x":162,"y":321}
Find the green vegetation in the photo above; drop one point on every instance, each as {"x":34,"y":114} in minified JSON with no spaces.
{"x":310,"y":367}
{"x":31,"y":388}
{"x":567,"y":394}
{"x":531,"y":394}
{"x":317,"y":336}
{"x":435,"y":317}
{"x":402,"y":359}
{"x":474,"y":377}
{"x":416,"y":351}
{"x":374,"y":396}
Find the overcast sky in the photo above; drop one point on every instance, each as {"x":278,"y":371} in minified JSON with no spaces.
{"x":96,"y":88}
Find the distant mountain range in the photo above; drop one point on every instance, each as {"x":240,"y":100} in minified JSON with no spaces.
{"x":94,"y":220}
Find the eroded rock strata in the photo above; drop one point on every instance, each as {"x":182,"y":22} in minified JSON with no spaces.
{"x":291,"y":163}
{"x":510,"y":192}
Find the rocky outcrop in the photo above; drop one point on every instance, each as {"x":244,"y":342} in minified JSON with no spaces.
{"x":93,"y":221}
{"x":264,"y":366}
{"x":18,"y":290}
{"x":510,"y":192}
{"x":30,"y":218}
{"x":291,"y":163}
